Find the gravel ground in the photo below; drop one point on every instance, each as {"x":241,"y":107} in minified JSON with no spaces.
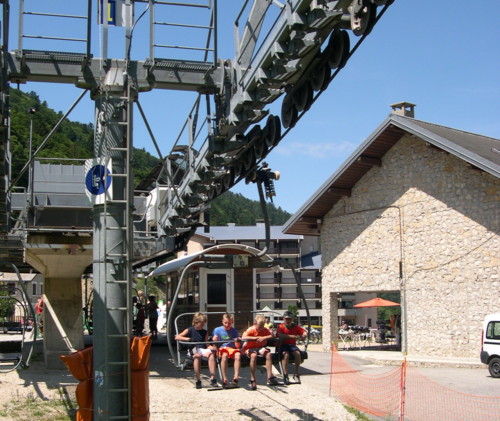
{"x":307,"y":401}
{"x":173,"y":395}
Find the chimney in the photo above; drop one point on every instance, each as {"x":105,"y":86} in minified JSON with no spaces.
{"x":406,"y":109}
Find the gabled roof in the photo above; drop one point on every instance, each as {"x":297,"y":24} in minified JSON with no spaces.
{"x":480,"y":151}
{"x":242,"y":233}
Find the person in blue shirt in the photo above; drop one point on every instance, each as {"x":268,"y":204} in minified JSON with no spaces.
{"x":228,"y":350}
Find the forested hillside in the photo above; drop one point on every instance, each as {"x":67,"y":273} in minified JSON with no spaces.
{"x":231,"y":207}
{"x":71,"y":140}
{"x":75,"y":140}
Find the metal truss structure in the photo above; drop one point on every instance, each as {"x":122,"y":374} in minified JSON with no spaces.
{"x":288,"y":49}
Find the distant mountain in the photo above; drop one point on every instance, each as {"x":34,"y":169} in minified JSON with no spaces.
{"x":76,"y":140}
{"x":234,"y":207}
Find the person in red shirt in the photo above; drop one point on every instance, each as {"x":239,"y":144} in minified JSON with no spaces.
{"x":288,"y":333}
{"x":256,"y":338}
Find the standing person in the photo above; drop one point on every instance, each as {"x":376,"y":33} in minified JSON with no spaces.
{"x":140,"y":319}
{"x":288,"y":333}
{"x":152,"y":311}
{"x":268,"y":324}
{"x":196,"y":333}
{"x":39,"y":314}
{"x":257,"y":337}
{"x":228,"y":350}
{"x":140,"y":297}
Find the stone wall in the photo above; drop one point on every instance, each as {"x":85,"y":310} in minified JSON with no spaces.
{"x":426,"y":224}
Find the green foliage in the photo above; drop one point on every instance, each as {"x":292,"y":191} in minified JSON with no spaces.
{"x":7,"y":308}
{"x":293,"y":309}
{"x":150,"y":287}
{"x":385,"y":313}
{"x":71,"y":140}
{"x":144,"y":162}
{"x":359,"y":415}
{"x":235,"y":208}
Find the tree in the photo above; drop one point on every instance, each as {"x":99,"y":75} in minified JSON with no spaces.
{"x":7,"y":308}
{"x":293,"y":309}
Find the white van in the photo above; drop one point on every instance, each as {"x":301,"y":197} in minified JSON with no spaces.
{"x":490,"y":344}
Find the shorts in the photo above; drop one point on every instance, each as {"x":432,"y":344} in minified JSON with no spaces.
{"x":204,"y":352}
{"x":290,"y":348}
{"x":259,"y":351}
{"x":231,"y":352}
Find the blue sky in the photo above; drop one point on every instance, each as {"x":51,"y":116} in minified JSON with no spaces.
{"x":443,"y":56}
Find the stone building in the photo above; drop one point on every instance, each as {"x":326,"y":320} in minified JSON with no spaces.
{"x":415,"y":210}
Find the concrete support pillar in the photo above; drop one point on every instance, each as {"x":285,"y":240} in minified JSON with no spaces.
{"x":62,"y":267}
{"x":64,"y":295}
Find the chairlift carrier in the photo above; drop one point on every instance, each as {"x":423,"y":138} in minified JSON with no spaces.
{"x":220,"y":256}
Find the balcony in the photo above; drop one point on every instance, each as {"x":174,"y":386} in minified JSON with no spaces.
{"x":312,"y":295}
{"x":311,"y":280}
{"x":289,"y":250}
{"x":267,"y":295}
{"x":267,"y":281}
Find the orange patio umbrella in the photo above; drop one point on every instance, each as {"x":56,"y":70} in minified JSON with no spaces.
{"x":376,"y":302}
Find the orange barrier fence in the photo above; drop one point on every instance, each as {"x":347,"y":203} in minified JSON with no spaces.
{"x":405,"y":393}
{"x":80,"y":365}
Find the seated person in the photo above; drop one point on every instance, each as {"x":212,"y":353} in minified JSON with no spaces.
{"x":288,"y":333}
{"x":196,"y":333}
{"x":230,"y":349}
{"x":257,"y":337}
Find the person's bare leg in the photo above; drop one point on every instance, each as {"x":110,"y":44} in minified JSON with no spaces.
{"x":197,"y":366}
{"x":297,"y":362}
{"x":211,"y":365}
{"x":286,"y":359}
{"x":223,"y":366}
{"x":253,"y":363}
{"x":237,"y":365}
{"x":269,"y":365}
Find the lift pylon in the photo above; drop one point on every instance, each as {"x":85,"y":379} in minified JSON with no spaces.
{"x":289,"y":48}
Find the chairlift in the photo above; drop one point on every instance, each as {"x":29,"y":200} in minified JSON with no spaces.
{"x":13,"y":353}
{"x":222,"y":257}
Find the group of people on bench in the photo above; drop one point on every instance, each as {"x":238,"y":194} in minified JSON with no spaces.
{"x":251,"y":343}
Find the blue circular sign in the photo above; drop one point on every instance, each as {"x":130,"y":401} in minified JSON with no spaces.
{"x":98,"y":179}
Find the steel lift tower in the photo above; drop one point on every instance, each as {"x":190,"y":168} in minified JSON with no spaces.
{"x":283,"y":48}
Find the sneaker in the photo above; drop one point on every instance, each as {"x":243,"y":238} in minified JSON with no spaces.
{"x":253,"y":384}
{"x":213,"y":382}
{"x":272,"y":381}
{"x":198,"y":384}
{"x":225,"y":384}
{"x":235,"y":382}
{"x":286,"y":380}
{"x":296,"y":378}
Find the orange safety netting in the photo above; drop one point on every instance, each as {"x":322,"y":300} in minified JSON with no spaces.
{"x":374,"y":394}
{"x":80,"y":364}
{"x":406,"y":393}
